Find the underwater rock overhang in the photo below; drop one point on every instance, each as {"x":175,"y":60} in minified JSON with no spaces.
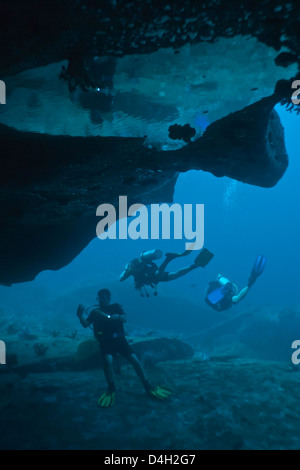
{"x":52,"y":185}
{"x":35,"y":33}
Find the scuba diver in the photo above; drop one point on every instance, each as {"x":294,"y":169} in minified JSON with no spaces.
{"x":107,"y":320}
{"x":222,"y":293}
{"x":146,"y":273}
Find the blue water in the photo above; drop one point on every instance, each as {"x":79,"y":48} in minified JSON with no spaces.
{"x":241,"y":221}
{"x":216,"y":403}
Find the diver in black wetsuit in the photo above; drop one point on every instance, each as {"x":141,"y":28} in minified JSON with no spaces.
{"x":146,"y":273}
{"x":108,"y":324}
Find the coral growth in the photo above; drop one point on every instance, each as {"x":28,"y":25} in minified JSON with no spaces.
{"x":40,"y":349}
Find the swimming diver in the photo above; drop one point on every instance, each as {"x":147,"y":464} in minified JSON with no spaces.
{"x":222,"y":293}
{"x":107,"y":320}
{"x":146,"y":273}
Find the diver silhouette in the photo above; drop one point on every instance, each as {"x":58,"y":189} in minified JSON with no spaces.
{"x":223,"y":294}
{"x":145,"y":271}
{"x":107,"y":320}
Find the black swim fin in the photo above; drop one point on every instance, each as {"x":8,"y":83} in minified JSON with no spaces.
{"x":204,"y":258}
{"x":257,"y":269}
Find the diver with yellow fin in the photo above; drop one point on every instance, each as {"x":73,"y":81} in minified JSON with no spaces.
{"x":145,"y":271}
{"x":107,"y":320}
{"x":223,"y":294}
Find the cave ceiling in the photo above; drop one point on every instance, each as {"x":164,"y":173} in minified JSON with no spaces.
{"x":105,"y":98}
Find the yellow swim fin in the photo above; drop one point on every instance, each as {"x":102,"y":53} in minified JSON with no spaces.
{"x":107,"y":399}
{"x":160,"y":393}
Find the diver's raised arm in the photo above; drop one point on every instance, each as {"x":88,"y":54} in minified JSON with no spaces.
{"x":80,"y":311}
{"x":237,"y":298}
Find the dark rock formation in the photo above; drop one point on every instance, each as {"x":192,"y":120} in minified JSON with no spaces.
{"x":88,"y":356}
{"x":36,"y":33}
{"x":51,"y":185}
{"x":285,"y":59}
{"x":179,"y":132}
{"x":162,"y":349}
{"x":206,"y":337}
{"x":220,"y":404}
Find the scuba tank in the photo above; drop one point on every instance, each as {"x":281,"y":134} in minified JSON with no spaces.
{"x":143,"y":270}
{"x":223,"y":281}
{"x":150,"y":255}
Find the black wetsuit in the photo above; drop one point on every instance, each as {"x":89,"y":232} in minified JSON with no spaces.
{"x":110,"y":333}
{"x":145,"y":274}
{"x":224,"y":303}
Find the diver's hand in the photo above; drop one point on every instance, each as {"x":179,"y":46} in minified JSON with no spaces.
{"x":80,"y":310}
{"x":126,"y":273}
{"x":105,"y":315}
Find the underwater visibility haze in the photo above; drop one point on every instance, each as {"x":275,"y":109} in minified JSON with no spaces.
{"x":102,"y":347}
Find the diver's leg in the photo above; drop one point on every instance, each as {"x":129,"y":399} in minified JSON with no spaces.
{"x":165,"y":277}
{"x":108,"y":371}
{"x":163,"y":266}
{"x":171,"y":256}
{"x":107,"y":398}
{"x":133,"y":360}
